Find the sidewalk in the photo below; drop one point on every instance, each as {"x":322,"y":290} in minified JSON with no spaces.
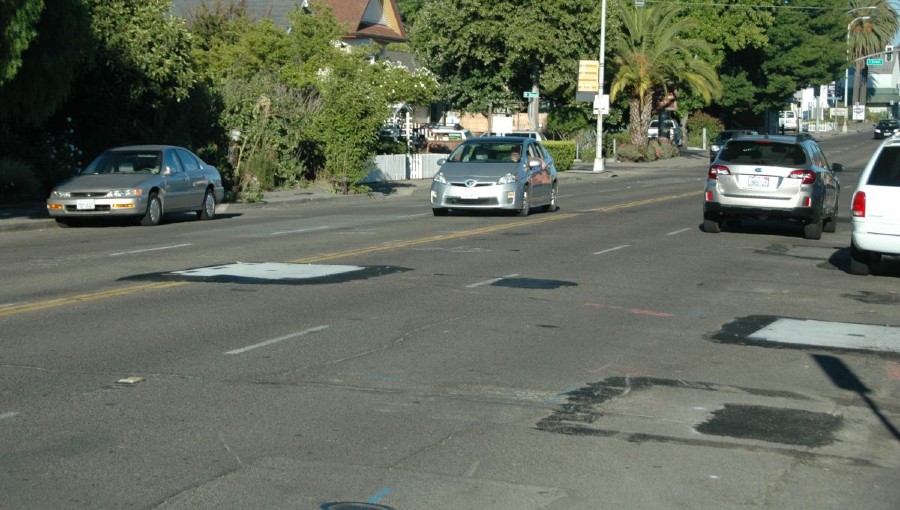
{"x":34,"y":216}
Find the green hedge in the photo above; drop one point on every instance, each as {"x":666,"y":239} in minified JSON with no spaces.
{"x":563,"y":153}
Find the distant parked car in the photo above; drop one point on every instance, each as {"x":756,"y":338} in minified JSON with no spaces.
{"x":886,"y":128}
{"x":673,"y":128}
{"x":496,"y":172}
{"x":773,"y":178}
{"x":143,"y":182}
{"x":723,"y":137}
{"x":537,"y":135}
{"x":875,"y":216}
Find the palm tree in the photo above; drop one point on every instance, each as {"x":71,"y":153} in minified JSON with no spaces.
{"x":653,"y":56}
{"x":873,"y":26}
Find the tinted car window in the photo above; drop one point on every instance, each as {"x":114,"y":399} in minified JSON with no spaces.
{"x":172,"y":162}
{"x":188,"y":160}
{"x":763,"y":153}
{"x":485,"y":152}
{"x":886,"y":171}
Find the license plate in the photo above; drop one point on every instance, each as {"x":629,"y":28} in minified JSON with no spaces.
{"x":469,"y":195}
{"x":84,"y":204}
{"x":758,"y":181}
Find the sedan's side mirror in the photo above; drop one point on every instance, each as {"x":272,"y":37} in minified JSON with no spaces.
{"x":167,"y":170}
{"x":837,"y":167}
{"x":534,"y":164}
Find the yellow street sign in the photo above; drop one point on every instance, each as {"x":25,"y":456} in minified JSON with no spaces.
{"x":588,"y":75}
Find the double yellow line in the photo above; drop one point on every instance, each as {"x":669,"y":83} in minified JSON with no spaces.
{"x":395,"y":245}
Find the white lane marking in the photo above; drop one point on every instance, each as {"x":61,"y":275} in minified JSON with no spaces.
{"x":276,"y":340}
{"x":298,"y":231}
{"x":611,"y":249}
{"x":413,"y":216}
{"x":488,"y":282}
{"x":6,"y":415}
{"x":269,"y":270}
{"x":678,"y":231}
{"x":839,"y":335}
{"x":149,"y":249}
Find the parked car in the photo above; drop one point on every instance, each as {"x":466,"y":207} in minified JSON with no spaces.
{"x":501,"y":172}
{"x":723,"y":136}
{"x":537,"y":135}
{"x":788,"y":121}
{"x":673,"y":128}
{"x":875,"y":217}
{"x":143,"y":182}
{"x":886,"y":128}
{"x":773,"y":177}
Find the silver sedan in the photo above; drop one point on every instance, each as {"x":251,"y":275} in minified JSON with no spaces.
{"x":143,"y":182}
{"x":511,"y":173}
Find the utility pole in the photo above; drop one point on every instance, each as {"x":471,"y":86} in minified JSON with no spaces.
{"x":598,"y":158}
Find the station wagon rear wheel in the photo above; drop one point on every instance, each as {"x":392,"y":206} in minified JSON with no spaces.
{"x":813,"y":230}
{"x":711,"y":226}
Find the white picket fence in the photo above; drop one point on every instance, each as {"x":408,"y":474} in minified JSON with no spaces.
{"x":402,"y":167}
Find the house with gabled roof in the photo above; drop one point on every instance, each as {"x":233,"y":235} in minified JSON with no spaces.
{"x":365,"y":21}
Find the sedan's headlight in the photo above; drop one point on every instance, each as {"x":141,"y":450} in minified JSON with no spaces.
{"x":125,"y":193}
{"x":60,"y":194}
{"x":509,"y":178}
{"x":439,"y":178}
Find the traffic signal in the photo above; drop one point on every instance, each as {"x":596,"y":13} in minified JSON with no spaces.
{"x":889,"y":53}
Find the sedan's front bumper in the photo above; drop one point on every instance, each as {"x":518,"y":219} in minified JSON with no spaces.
{"x":96,"y":207}
{"x":482,"y":196}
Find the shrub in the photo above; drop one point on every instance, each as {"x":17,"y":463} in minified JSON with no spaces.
{"x":18,"y":182}
{"x":563,"y":153}
{"x":695,"y":125}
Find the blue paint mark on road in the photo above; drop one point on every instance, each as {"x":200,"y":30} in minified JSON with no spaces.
{"x":383,"y":493}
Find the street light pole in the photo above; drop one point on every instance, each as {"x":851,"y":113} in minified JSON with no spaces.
{"x":847,"y":70}
{"x":598,"y":158}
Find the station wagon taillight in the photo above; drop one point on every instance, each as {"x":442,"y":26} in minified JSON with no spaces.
{"x":716,"y":170}
{"x":808,"y":176}
{"x":858,"y":209}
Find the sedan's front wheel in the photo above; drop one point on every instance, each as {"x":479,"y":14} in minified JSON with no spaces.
{"x":526,"y":202}
{"x":154,"y":211}
{"x":554,"y":199}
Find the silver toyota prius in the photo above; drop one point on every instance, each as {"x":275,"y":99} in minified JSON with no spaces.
{"x":496,"y":172}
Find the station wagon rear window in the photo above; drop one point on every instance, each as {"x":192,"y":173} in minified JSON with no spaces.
{"x":763,"y":152}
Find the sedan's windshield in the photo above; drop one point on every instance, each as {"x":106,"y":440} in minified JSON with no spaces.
{"x":125,"y":162}
{"x":763,"y":153}
{"x":487,"y":152}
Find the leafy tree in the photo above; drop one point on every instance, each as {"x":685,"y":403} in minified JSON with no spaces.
{"x":653,"y":57}
{"x":43,"y":76}
{"x":352,"y":112}
{"x":490,"y":52}
{"x":873,"y":25}
{"x":18,"y":29}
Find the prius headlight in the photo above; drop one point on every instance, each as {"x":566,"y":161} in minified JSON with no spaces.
{"x":509,"y":178}
{"x":124,"y":193}
{"x":439,"y":178}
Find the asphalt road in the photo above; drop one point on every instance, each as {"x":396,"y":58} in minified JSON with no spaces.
{"x":606,"y":355}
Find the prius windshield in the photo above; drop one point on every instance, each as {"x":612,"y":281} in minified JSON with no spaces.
{"x":487,"y":152}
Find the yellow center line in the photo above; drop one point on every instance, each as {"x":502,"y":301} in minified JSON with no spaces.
{"x":394,"y":245}
{"x":81,"y":298}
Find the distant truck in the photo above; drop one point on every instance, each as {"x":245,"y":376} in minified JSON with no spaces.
{"x":787,"y":121}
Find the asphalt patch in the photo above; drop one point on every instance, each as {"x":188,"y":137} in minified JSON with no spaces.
{"x":775,"y":425}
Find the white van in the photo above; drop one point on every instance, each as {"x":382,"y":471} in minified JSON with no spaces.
{"x":787,"y":121}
